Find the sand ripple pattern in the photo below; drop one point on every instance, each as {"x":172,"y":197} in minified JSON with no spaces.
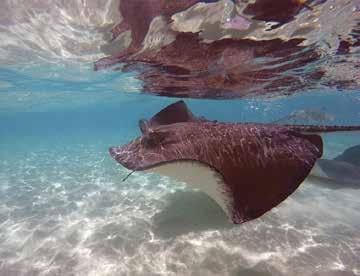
{"x":66,"y":212}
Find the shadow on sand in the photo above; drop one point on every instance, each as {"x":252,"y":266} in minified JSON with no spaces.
{"x":189,"y":211}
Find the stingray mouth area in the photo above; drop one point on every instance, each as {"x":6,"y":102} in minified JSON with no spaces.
{"x":129,"y":157}
{"x":136,"y":159}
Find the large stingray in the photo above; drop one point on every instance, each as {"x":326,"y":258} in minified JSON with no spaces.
{"x":247,"y":168}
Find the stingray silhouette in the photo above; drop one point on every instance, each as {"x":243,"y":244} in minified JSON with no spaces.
{"x":247,"y":168}
{"x":343,"y":171}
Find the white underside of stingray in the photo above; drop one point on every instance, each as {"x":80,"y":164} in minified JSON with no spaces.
{"x":200,"y":176}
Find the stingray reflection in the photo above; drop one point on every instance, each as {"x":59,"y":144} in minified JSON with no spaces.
{"x":232,"y":49}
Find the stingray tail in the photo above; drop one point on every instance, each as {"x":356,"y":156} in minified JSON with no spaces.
{"x":322,"y":128}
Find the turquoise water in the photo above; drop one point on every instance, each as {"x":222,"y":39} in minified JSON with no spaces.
{"x":65,"y":211}
{"x":63,"y":207}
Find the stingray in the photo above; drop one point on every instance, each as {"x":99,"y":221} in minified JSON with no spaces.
{"x":223,"y":69}
{"x":247,"y":168}
{"x":341,"y":172}
{"x":137,"y":16}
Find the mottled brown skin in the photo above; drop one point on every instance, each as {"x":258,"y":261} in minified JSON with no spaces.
{"x":222,"y":69}
{"x":261,"y":164}
{"x":281,"y":11}
{"x":137,"y":16}
{"x":227,"y":68}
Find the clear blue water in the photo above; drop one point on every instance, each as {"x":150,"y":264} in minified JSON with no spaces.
{"x":65,"y":211}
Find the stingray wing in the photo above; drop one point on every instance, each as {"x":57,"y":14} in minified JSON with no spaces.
{"x":350,"y":155}
{"x":266,"y":168}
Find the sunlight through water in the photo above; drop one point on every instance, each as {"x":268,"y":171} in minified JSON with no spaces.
{"x":75,"y":80}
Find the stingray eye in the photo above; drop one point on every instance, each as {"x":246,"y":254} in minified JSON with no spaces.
{"x":156,"y":137}
{"x":150,"y":137}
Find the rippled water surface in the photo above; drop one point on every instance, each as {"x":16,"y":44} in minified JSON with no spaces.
{"x":63,"y":207}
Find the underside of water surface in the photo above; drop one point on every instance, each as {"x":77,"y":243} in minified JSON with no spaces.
{"x":76,"y":77}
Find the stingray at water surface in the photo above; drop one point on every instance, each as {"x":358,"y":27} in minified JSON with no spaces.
{"x":247,"y":168}
{"x":233,"y":49}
